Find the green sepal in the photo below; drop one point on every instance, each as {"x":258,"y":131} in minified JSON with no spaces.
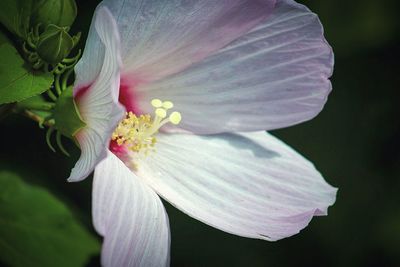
{"x":48,"y":141}
{"x":60,"y":145}
{"x":66,"y":114}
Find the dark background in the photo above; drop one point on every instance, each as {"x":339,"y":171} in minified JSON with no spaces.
{"x":354,"y":142}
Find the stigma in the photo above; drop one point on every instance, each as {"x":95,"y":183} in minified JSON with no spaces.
{"x":137,"y":132}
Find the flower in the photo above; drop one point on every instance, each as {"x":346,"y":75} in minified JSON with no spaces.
{"x":200,"y":81}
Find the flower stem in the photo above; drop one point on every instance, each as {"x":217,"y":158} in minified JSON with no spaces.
{"x":51,"y":95}
{"x":39,"y":119}
{"x":40,"y":106}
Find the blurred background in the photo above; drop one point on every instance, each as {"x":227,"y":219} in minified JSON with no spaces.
{"x":354,"y":142}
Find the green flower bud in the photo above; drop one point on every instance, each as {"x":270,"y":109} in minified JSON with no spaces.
{"x":15,"y":16}
{"x":59,"y":12}
{"x":54,"y":44}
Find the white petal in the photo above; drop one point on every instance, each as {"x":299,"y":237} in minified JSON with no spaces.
{"x":274,"y":76}
{"x":251,"y":185}
{"x":130,"y":216}
{"x":163,"y":37}
{"x":96,"y":93}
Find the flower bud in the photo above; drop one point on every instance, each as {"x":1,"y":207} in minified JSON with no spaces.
{"x":15,"y":16}
{"x":59,"y":12}
{"x":54,"y":44}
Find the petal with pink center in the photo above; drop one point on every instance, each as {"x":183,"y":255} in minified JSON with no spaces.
{"x":250,"y":185}
{"x":163,"y":37}
{"x":275,"y":76}
{"x":96,"y":93}
{"x":130,"y":216}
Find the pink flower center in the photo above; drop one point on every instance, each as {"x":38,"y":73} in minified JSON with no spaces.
{"x":127,"y":95}
{"x":136,"y":134}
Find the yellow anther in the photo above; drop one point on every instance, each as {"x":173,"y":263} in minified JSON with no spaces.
{"x":157,"y":103}
{"x":167,"y":105}
{"x":162,"y":113}
{"x":137,"y":132}
{"x":175,"y":117}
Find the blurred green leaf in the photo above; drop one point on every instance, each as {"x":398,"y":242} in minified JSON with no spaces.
{"x":17,"y":81}
{"x":36,"y":229}
{"x":3,"y":39}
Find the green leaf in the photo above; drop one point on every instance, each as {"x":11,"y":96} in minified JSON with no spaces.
{"x":36,"y":229}
{"x":17,"y":80}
